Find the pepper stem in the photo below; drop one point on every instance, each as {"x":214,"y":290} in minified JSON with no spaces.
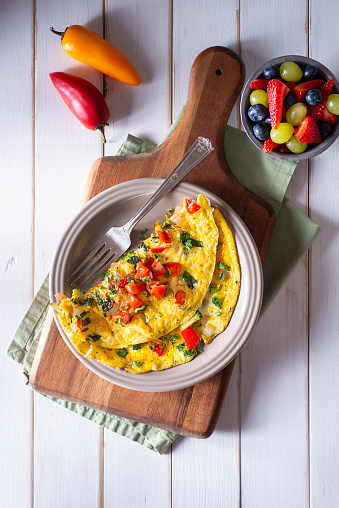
{"x":101,"y":129}
{"x":57,"y":33}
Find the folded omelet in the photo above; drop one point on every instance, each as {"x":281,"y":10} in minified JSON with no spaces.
{"x":159,"y":305}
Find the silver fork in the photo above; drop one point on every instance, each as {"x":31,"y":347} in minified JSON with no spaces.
{"x":117,"y":240}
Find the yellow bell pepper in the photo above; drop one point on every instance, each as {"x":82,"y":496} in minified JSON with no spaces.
{"x":88,"y":47}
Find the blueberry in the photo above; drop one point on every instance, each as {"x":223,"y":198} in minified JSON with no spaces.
{"x":257,"y":112}
{"x":261,"y":131}
{"x":268,"y":121}
{"x":324,"y":128}
{"x":289,"y":100}
{"x":313,"y":97}
{"x":310,"y":72}
{"x":272,"y":72}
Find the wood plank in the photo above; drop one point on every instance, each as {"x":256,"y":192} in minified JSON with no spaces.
{"x":16,"y":206}
{"x":274,"y":435}
{"x":214,"y":479}
{"x":143,"y":111}
{"x":64,"y":443}
{"x":324,"y":280}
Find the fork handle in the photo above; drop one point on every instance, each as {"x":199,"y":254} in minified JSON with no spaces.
{"x":198,"y":151}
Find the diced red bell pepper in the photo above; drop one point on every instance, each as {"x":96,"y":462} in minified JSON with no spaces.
{"x":191,"y":206}
{"x":158,"y":290}
{"x":164,"y":237}
{"x":79,"y":324}
{"x":157,"y":268}
{"x":134,"y":302}
{"x":122,"y":282}
{"x":191,"y":338}
{"x":133,"y":289}
{"x":173,"y":268}
{"x":122,"y":316}
{"x":142,"y":270}
{"x":157,"y":348}
{"x":157,"y":250}
{"x":180,"y":297}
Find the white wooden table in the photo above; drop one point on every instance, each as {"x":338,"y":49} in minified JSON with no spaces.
{"x":276,"y":443}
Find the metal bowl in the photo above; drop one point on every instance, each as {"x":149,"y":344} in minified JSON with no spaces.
{"x":302,"y":61}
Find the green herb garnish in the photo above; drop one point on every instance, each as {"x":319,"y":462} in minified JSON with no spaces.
{"x":188,"y":279}
{"x":185,"y":351}
{"x":143,"y":307}
{"x":143,"y":234}
{"x":143,"y":246}
{"x":136,"y":363}
{"x":135,"y":347}
{"x":222,"y":276}
{"x":198,"y":315}
{"x":122,"y":352}
{"x":223,"y":266}
{"x":214,"y":288}
{"x":94,"y":338}
{"x":217,"y":302}
{"x":167,"y":224}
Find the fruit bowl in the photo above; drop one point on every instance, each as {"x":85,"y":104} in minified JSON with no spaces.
{"x":298,"y":96}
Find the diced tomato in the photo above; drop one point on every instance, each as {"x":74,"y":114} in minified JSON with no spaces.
{"x":180,"y":297}
{"x":164,"y":237}
{"x":157,"y":348}
{"x":150,"y":262}
{"x":79,"y":324}
{"x":157,"y":250}
{"x":133,"y":289}
{"x":122,"y":316}
{"x":191,"y":338}
{"x":191,"y":206}
{"x":158,"y":290}
{"x":122,"y":282}
{"x":142,"y":270}
{"x":173,"y":268}
{"x":152,"y":283}
{"x":157,"y":268}
{"x":134,"y":302}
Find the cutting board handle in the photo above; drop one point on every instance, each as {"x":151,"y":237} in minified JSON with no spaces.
{"x":216,"y":79}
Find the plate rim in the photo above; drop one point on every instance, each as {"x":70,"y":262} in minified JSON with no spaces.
{"x":139,"y":382}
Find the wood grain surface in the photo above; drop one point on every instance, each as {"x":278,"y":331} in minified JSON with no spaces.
{"x":215,"y":82}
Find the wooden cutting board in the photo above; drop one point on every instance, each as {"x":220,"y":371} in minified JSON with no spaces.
{"x":215,"y":83}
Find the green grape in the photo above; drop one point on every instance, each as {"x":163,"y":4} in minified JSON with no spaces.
{"x":295,"y":146}
{"x":290,"y":71}
{"x":259,"y":97}
{"x":282,"y":133}
{"x":333,"y":103}
{"x":296,"y":113}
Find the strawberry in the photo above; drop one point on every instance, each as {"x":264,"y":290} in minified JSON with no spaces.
{"x":290,"y":84}
{"x":316,"y":111}
{"x":301,"y":90}
{"x":276,"y":93}
{"x":327,"y":116}
{"x":269,"y":145}
{"x":308,"y":131}
{"x":259,"y":84}
{"x":284,"y":149}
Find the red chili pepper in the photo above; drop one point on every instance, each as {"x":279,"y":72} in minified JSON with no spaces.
{"x":192,"y":206}
{"x":157,"y":348}
{"x":133,"y":289}
{"x":180,"y":297}
{"x":173,"y":268}
{"x":164,"y":237}
{"x":83,"y":99}
{"x":191,"y":338}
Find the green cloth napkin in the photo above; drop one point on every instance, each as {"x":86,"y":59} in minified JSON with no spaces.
{"x":292,"y":236}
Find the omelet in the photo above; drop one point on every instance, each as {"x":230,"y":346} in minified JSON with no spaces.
{"x":151,"y":291}
{"x":170,"y":266}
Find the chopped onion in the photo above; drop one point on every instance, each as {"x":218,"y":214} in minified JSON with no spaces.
{"x":180,"y":282}
{"x":55,"y":307}
{"x":227,"y":274}
{"x":176,"y":218}
{"x":60,"y":296}
{"x":113,"y":310}
{"x":208,"y":331}
{"x":74,"y":327}
{"x":204,"y":320}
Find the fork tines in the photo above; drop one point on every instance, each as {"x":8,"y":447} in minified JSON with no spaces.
{"x":92,"y":267}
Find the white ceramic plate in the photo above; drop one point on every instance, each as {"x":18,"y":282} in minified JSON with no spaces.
{"x":114,"y":207}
